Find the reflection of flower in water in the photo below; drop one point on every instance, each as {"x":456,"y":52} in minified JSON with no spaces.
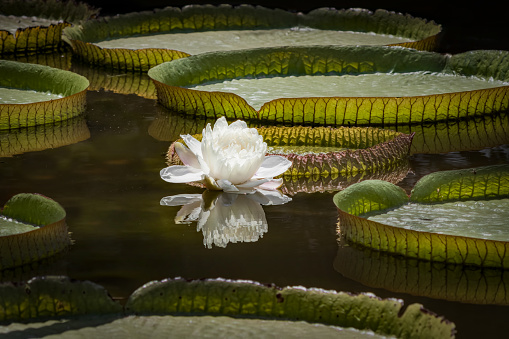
{"x":226,"y":217}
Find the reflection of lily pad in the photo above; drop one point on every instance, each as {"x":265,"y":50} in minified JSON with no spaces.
{"x":485,"y":92}
{"x":44,"y":230}
{"x":461,"y":135}
{"x":216,"y":303}
{"x":117,"y":82}
{"x":35,"y":26}
{"x":437,"y":280}
{"x":482,"y":184}
{"x":69,"y":88}
{"x":177,"y":32}
{"x":364,"y":149}
{"x":41,"y":137}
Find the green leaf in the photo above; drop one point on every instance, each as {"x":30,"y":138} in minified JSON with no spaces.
{"x":44,"y":79}
{"x":474,"y":184}
{"x":53,"y":296}
{"x":490,"y":182}
{"x":369,"y":149}
{"x":52,"y":237}
{"x":248,"y":299}
{"x":196,"y":18}
{"x":33,"y":209}
{"x":370,"y":196}
{"x":171,"y":80}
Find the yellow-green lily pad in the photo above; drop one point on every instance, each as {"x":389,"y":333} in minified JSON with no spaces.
{"x":60,"y":94}
{"x":396,"y":70}
{"x":124,"y":42}
{"x":35,"y":26}
{"x":32,"y":227}
{"x":371,"y":220}
{"x":330,"y":152}
{"x":201,"y":307}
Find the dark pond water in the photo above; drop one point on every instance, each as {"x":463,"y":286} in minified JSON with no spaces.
{"x":109,"y":185}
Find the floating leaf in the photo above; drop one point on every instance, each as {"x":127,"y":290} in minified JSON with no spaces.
{"x":368,"y":149}
{"x":40,"y":38}
{"x":490,"y":182}
{"x":171,"y":80}
{"x":40,"y":78}
{"x":206,"y":18}
{"x":233,"y":307}
{"x":436,"y":187}
{"x":41,"y":137}
{"x":53,"y":296}
{"x":247,"y":299}
{"x":41,"y":242}
{"x":436,"y":280}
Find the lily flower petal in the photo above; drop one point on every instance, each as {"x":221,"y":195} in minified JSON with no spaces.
{"x":187,"y":156}
{"x":193,"y":144}
{"x":181,"y":174}
{"x":227,"y":186}
{"x":270,"y":197}
{"x":272,"y":166}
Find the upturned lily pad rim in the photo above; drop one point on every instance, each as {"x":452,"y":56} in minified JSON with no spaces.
{"x":49,"y":238}
{"x":384,"y":149}
{"x":42,"y":297}
{"x":428,"y":245}
{"x":196,"y":18}
{"x":41,"y":78}
{"x":173,"y":78}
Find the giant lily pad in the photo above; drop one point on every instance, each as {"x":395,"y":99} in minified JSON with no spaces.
{"x":34,"y":26}
{"x":60,"y":94}
{"x":418,"y":87}
{"x":124,"y":42}
{"x":330,"y":152}
{"x":33,"y":227}
{"x":180,"y":307}
{"x":435,"y":233}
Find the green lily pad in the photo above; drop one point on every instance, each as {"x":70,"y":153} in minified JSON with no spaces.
{"x":365,"y":150}
{"x":35,"y":26}
{"x":211,"y":306}
{"x":32,"y":228}
{"x":17,"y":76}
{"x":487,"y":187}
{"x":179,"y":85}
{"x":249,"y":25}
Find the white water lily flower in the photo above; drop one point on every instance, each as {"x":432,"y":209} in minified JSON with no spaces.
{"x":231,"y":158}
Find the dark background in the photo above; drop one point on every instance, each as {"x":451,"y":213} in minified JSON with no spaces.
{"x":466,"y":25}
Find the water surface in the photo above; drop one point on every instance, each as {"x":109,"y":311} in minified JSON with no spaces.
{"x":109,"y":185}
